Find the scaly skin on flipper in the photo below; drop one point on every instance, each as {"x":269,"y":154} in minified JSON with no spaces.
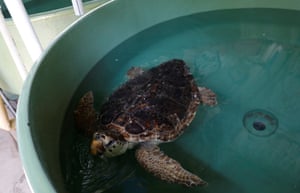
{"x":207,"y":96}
{"x":164,"y":167}
{"x":85,"y":115}
{"x":134,"y":72}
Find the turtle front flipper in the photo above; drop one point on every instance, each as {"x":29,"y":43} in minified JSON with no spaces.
{"x":164,"y":167}
{"x":207,"y":96}
{"x":134,"y":72}
{"x":85,"y":114}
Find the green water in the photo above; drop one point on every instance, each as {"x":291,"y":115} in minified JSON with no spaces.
{"x":249,"y":143}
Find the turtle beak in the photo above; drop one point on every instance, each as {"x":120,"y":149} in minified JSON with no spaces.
{"x":97,"y":147}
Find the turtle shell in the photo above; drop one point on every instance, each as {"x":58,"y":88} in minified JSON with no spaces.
{"x":156,"y":105}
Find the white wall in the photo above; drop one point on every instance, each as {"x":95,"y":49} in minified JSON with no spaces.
{"x":48,"y":26}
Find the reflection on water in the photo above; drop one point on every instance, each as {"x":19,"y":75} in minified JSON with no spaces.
{"x":250,"y":58}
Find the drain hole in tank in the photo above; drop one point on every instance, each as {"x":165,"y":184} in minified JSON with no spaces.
{"x":259,"y":126}
{"x":260,"y":122}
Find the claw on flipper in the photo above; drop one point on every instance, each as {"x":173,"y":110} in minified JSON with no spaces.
{"x":156,"y":162}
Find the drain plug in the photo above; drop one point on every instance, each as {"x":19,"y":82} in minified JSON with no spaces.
{"x":260,"y":122}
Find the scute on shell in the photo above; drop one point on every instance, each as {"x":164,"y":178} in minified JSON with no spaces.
{"x":156,"y":105}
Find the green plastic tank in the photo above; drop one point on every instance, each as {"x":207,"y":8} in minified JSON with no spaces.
{"x":246,"y":51}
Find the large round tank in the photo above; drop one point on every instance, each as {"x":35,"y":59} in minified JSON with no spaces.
{"x":246,"y":51}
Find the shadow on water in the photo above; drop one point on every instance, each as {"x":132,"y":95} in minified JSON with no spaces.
{"x":83,"y":172}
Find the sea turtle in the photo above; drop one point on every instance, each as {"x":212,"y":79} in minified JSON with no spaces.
{"x":152,"y":107}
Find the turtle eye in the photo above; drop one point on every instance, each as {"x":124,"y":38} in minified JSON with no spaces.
{"x":97,"y":136}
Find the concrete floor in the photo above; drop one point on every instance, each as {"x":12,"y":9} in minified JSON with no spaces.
{"x":12,"y":177}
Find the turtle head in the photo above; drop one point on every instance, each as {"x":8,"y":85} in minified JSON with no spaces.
{"x":106,"y":145}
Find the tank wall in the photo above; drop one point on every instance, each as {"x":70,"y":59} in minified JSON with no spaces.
{"x":48,"y":25}
{"x":48,"y":90}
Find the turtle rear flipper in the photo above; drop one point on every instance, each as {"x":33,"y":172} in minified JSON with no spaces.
{"x":156,"y":162}
{"x":85,"y":115}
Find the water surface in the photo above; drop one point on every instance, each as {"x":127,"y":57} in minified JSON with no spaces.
{"x":249,"y":143}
